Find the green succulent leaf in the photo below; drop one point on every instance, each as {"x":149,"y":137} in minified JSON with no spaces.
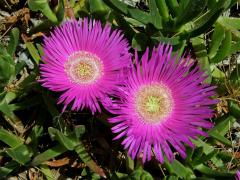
{"x":43,"y":6}
{"x":220,"y":138}
{"x":21,"y":153}
{"x":142,"y":16}
{"x":139,"y":15}
{"x":178,"y":169}
{"x":10,"y":139}
{"x":47,"y":172}
{"x":33,"y":52}
{"x":64,"y":140}
{"x":162,"y":7}
{"x":60,"y":10}
{"x":7,"y":70}
{"x":173,"y":40}
{"x":205,"y":21}
{"x":14,"y":40}
{"x":207,"y":148}
{"x":139,"y":173}
{"x":173,"y":7}
{"x":8,"y":168}
{"x":189,"y":10}
{"x":231,"y":24}
{"x":87,"y":159}
{"x":200,"y":50}
{"x":217,"y":73}
{"x":156,"y":19}
{"x":213,"y":173}
{"x":235,"y":75}
{"x":98,"y":7}
{"x":223,"y":125}
{"x":122,"y":7}
{"x":234,"y":109}
{"x":216,"y":40}
{"x":48,"y":154}
{"x":224,"y":50}
{"x":201,"y":159}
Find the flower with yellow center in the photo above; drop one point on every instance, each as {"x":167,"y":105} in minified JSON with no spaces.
{"x":162,"y":105}
{"x":84,"y":61}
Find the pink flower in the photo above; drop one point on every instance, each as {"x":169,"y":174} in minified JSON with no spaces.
{"x":238,"y":175}
{"x":83,"y":60}
{"x":162,"y":105}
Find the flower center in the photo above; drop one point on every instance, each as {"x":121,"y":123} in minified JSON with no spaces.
{"x":153,"y":103}
{"x":83,"y":67}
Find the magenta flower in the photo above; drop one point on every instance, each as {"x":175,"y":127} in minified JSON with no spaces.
{"x":238,"y":175}
{"x":83,"y":60}
{"x":162,"y":105}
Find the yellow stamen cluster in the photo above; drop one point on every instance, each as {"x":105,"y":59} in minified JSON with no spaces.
{"x":153,"y":103}
{"x":83,"y":68}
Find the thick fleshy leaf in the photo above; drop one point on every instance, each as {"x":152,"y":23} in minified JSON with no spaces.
{"x":234,"y":109}
{"x":68,"y":143}
{"x":33,"y":51}
{"x":14,"y":40}
{"x":21,"y":153}
{"x":139,"y":173}
{"x":86,"y":158}
{"x":224,"y":49}
{"x":156,"y":19}
{"x":162,"y":8}
{"x":7,"y":70}
{"x":8,"y":168}
{"x":205,"y":21}
{"x":98,"y":7}
{"x":188,"y":10}
{"x":10,"y":139}
{"x":48,"y":154}
{"x":213,"y":173}
{"x":223,"y":125}
{"x":217,"y":37}
{"x":43,"y":6}
{"x":178,"y":169}
{"x":173,"y":7}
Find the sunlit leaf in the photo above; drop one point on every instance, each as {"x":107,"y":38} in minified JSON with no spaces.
{"x":48,"y":154}
{"x":47,"y":172}
{"x":162,"y":7}
{"x":43,"y":6}
{"x":98,"y":7}
{"x":156,"y":19}
{"x":21,"y":153}
{"x":217,"y":37}
{"x":234,"y":109}
{"x":223,"y":125}
{"x":224,"y":49}
{"x":68,"y":143}
{"x":33,"y":51}
{"x":10,"y":139}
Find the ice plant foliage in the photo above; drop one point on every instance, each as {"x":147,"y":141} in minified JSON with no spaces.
{"x":83,"y":60}
{"x":161,"y":105}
